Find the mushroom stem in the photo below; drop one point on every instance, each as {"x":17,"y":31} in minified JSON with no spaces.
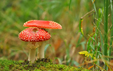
{"x":32,"y":55}
{"x":41,"y":52}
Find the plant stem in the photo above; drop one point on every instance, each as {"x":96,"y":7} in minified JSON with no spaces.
{"x":105,"y":28}
{"x":94,"y":7}
{"x":111,"y":43}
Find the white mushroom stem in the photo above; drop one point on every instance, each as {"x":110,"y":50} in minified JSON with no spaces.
{"x":32,"y":51}
{"x":41,"y":52}
{"x":32,"y":55}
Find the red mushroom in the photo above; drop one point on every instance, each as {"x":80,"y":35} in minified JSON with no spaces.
{"x":34,"y":35}
{"x":43,"y":24}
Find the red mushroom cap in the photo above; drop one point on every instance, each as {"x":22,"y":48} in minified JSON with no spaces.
{"x":43,"y":24}
{"x":34,"y":34}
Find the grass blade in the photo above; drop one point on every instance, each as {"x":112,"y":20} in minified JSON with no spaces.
{"x":111,"y":43}
{"x":105,"y":28}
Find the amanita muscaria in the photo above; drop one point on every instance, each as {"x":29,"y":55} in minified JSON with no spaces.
{"x":34,"y":35}
{"x":36,"y":29}
{"x":43,"y":24}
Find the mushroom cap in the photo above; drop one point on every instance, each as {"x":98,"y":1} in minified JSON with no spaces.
{"x":34,"y":34}
{"x":43,"y":24}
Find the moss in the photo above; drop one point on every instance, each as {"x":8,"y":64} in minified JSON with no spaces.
{"x":38,"y":65}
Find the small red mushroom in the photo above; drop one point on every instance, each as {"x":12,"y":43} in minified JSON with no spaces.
{"x":43,"y":24}
{"x":33,"y":35}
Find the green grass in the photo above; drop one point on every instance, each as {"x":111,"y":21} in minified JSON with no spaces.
{"x":106,"y":29}
{"x":95,"y":44}
{"x":39,"y":65}
{"x":111,"y":41}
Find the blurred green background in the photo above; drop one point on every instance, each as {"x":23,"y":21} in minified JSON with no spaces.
{"x":64,"y":43}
